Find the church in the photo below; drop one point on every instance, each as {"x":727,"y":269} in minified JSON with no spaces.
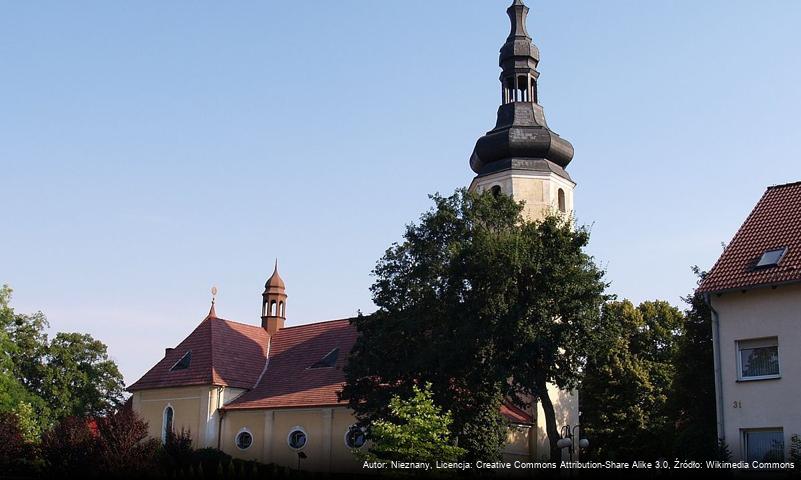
{"x":268,"y":392}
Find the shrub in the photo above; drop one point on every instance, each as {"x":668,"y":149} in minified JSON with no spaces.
{"x":123,"y":446}
{"x":723,"y":452}
{"x":210,"y":460}
{"x":70,"y":446}
{"x":176,"y":454}
{"x":14,"y":450}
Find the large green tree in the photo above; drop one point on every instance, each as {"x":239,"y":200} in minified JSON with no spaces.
{"x":694,"y":391}
{"x":649,"y":388}
{"x":68,"y":375}
{"x":630,"y":374}
{"x":484,"y":305}
{"x":78,"y":377}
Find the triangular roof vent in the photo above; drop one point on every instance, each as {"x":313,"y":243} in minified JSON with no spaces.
{"x":329,"y":360}
{"x":183,"y":363}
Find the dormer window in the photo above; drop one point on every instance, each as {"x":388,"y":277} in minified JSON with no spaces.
{"x":771,"y":258}
{"x":183,"y":363}
{"x":327,"y":361}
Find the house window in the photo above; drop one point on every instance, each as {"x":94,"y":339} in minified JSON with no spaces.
{"x":244,"y":439}
{"x":355,"y":437}
{"x":764,"y":445}
{"x":758,"y":359}
{"x":297,"y":438}
{"x":167,"y":423}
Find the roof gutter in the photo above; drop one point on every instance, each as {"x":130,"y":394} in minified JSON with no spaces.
{"x":717,"y":363}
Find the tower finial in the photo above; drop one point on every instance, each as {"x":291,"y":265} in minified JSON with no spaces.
{"x":212,"y":311}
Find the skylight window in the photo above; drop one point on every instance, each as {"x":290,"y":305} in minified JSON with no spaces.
{"x":183,"y":363}
{"x":329,"y":360}
{"x":771,"y":258}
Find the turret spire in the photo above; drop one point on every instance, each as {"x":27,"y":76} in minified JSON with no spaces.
{"x":273,"y":305}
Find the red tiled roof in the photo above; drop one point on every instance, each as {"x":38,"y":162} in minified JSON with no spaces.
{"x":774,"y":223}
{"x":288,"y":381}
{"x":516,"y":415}
{"x":223,"y":353}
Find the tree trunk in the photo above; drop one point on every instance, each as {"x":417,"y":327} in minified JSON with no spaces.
{"x":550,"y":421}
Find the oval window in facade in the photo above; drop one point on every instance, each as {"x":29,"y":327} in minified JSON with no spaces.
{"x":297,"y":438}
{"x":355,"y":437}
{"x":244,"y":439}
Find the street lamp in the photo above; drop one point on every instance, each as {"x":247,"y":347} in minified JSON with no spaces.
{"x":567,"y":440}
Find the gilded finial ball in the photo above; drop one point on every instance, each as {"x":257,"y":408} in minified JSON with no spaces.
{"x":214,"y":291}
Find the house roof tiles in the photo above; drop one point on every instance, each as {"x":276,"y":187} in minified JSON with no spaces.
{"x":774,"y":223}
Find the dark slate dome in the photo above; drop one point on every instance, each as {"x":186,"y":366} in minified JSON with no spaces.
{"x":521,"y":137}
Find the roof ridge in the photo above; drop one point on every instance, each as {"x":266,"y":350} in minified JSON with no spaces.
{"x":266,"y":361}
{"x":318,"y":323}
{"x":211,"y":353}
{"x":791,"y":184}
{"x":237,"y":323}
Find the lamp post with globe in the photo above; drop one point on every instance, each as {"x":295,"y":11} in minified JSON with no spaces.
{"x":568,"y":439}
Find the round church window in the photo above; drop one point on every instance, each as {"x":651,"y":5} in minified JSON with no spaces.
{"x":355,"y":437}
{"x":244,"y":440}
{"x":297,"y":438}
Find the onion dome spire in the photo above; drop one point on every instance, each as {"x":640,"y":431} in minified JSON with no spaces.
{"x":521,"y":138}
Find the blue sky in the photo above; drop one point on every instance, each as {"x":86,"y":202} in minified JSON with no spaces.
{"x":150,"y":150}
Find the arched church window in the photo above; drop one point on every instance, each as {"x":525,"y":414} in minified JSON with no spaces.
{"x":562,"y":204}
{"x":496,"y":190}
{"x":281,"y":309}
{"x":272,"y":308}
{"x":167,"y":423}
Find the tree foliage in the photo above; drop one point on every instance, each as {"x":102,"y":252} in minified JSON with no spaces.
{"x":485,"y":306}
{"x":125,"y":447}
{"x":70,"y":446}
{"x":417,"y":430}
{"x":649,"y":388}
{"x":13,"y":446}
{"x":79,"y":378}
{"x":45,"y":380}
{"x":694,"y":392}
{"x":629,"y":377}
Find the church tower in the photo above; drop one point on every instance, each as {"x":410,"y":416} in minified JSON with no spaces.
{"x":273,"y":303}
{"x":521,"y":156}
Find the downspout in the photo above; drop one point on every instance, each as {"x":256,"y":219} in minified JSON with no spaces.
{"x":219,"y":430}
{"x":717,"y":363}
